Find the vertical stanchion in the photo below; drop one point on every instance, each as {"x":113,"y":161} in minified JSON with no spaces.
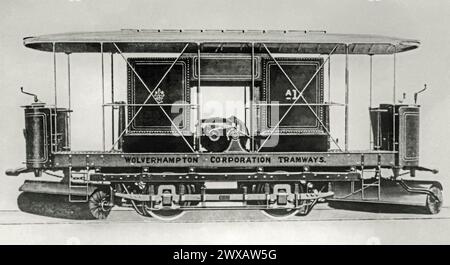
{"x":54,"y":139}
{"x":69,"y":133}
{"x":329,"y":79}
{"x":346,"y":97}
{"x":199,"y":116}
{"x":245,"y":105}
{"x":394,"y":147}
{"x":112,"y":100}
{"x":252,"y":88}
{"x":103,"y":98}
{"x":370,"y":100}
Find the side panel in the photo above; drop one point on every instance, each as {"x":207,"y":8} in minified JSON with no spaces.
{"x":299,"y":128}
{"x":174,"y":88}
{"x":278,"y":89}
{"x":409,"y":125}
{"x":151,"y":129}
{"x":217,"y":160}
{"x":219,"y":67}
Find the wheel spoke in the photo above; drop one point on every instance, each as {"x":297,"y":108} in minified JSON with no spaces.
{"x":96,"y":201}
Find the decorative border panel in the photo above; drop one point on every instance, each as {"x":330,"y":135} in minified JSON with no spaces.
{"x":226,"y":77}
{"x":158,"y":130}
{"x":406,"y":128}
{"x":265,"y":98}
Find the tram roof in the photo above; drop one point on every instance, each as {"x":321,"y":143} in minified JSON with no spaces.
{"x":278,"y":41}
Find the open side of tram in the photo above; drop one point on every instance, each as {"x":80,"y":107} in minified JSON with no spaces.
{"x":279,"y":156}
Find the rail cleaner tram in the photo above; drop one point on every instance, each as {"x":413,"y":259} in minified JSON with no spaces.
{"x":163,"y":155}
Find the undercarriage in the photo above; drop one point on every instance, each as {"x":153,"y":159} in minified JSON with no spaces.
{"x":278,"y":194}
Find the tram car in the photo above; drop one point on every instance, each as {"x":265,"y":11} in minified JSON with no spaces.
{"x":280,"y":158}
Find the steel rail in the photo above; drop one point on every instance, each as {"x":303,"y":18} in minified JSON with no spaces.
{"x":300,"y":96}
{"x":151,"y":95}
{"x":298,"y":219}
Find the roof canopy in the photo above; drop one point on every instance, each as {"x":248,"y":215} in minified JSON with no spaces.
{"x":278,"y":41}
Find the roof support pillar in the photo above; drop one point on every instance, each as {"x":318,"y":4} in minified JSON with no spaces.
{"x":370,"y":98}
{"x":103,"y":99}
{"x":329,"y":79}
{"x":394,"y":96}
{"x":112,"y":99}
{"x":69,"y":93}
{"x":251,"y":96}
{"x":54,"y":139}
{"x":199,"y":103}
{"x":346,"y":97}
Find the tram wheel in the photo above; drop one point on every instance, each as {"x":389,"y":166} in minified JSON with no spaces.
{"x":433,"y":206}
{"x":275,"y":213}
{"x":169,"y":214}
{"x":165,"y":215}
{"x":99,"y":204}
{"x":280,"y":213}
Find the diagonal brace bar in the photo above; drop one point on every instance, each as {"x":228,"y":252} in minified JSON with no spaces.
{"x":300,"y":96}
{"x":151,"y":95}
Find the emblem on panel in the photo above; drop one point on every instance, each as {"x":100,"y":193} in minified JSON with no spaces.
{"x":159,"y":95}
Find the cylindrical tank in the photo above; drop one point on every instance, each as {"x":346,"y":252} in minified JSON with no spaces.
{"x":36,"y":135}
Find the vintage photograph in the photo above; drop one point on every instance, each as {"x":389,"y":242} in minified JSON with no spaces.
{"x":224,"y":122}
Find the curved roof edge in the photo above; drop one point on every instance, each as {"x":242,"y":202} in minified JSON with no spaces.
{"x":278,"y":41}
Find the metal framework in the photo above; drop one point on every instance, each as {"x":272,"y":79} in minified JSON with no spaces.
{"x":346,"y":98}
{"x":151,"y":95}
{"x":199,"y":100}
{"x":54,"y":138}
{"x":69,"y":102}
{"x":370,"y":96}
{"x":252,"y":105}
{"x":113,"y":131}
{"x":300,"y":96}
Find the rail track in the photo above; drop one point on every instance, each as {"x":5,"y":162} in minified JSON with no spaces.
{"x":323,"y":213}
{"x":323,"y":226}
